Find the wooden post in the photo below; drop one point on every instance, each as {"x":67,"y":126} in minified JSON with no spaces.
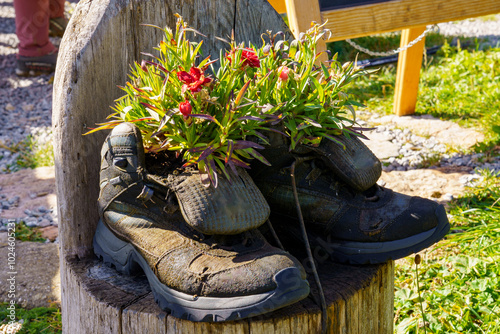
{"x":408,"y":74}
{"x":300,"y":15}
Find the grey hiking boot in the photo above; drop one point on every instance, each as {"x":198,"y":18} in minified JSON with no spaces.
{"x":33,"y":66}
{"x":352,"y":226}
{"x":199,"y":247}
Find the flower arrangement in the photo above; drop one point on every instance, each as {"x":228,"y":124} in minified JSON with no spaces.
{"x":181,"y":103}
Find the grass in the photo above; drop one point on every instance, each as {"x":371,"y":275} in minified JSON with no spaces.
{"x":460,"y":85}
{"x":40,"y":320}
{"x":25,"y":233}
{"x":460,"y":276}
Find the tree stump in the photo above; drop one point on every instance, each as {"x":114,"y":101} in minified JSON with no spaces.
{"x":102,"y":39}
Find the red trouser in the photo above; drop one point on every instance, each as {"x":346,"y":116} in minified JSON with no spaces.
{"x":32,"y":25}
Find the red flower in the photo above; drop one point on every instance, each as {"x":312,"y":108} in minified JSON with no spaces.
{"x":185,"y":108}
{"x":283,"y":73}
{"x":194,"y":80}
{"x":248,"y":57}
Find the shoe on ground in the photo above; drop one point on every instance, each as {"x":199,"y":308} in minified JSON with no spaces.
{"x":195,"y":275}
{"x":352,"y":226}
{"x":33,"y":66}
{"x":57,"y":26}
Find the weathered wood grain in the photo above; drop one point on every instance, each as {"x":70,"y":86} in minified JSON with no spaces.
{"x":359,"y":299}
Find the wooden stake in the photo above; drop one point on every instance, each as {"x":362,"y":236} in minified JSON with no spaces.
{"x":408,"y":75}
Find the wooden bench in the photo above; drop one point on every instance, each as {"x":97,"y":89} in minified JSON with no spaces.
{"x":357,"y":18}
{"x":102,"y":39}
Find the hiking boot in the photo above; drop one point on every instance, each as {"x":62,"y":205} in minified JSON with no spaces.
{"x":57,"y":26}
{"x":348,"y":158}
{"x":201,"y":263}
{"x":33,"y":66}
{"x":352,"y":226}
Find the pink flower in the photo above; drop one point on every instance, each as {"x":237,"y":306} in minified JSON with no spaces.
{"x":185,"y":108}
{"x":283,"y":73}
{"x":248,"y":57}
{"x":194,"y":80}
{"x":144,"y":66}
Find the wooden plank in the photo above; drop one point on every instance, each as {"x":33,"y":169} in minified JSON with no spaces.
{"x":408,"y":74}
{"x":90,"y":305}
{"x":396,"y":15}
{"x":392,"y":15}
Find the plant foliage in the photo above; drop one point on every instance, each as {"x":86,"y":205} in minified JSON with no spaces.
{"x":208,"y":119}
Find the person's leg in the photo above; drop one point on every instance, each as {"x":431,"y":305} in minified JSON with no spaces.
{"x":56,"y":8}
{"x":32,"y":28}
{"x":57,"y":23}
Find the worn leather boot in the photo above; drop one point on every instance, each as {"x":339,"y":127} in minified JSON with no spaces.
{"x":367,"y":224}
{"x":199,"y":247}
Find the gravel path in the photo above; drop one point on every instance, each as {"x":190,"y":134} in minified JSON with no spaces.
{"x":26,"y":109}
{"x":25,"y":103}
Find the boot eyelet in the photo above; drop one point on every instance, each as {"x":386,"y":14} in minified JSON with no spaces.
{"x":120,"y":162}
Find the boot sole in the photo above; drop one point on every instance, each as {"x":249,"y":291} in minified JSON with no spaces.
{"x":380,"y":252}
{"x":127,"y":260}
{"x":32,"y":73}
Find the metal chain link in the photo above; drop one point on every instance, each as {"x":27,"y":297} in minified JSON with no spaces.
{"x":392,"y":52}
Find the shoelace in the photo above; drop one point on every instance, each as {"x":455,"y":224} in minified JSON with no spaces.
{"x":324,"y":313}
{"x":368,"y":197}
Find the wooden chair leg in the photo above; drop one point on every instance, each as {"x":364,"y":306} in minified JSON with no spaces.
{"x":408,"y":74}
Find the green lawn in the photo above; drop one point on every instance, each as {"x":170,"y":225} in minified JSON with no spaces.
{"x":39,"y":320}
{"x":460,"y":276}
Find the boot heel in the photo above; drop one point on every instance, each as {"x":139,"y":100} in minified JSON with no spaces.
{"x":114,"y":251}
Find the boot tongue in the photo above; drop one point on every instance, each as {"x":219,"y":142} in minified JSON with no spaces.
{"x":351,"y":160}
{"x":233,"y":207}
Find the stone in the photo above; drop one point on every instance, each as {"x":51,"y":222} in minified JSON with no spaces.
{"x":428,"y":183}
{"x":31,"y":222}
{"x":381,"y":145}
{"x":28,"y":107}
{"x":50,"y":232}
{"x":43,"y":222}
{"x":26,"y":182}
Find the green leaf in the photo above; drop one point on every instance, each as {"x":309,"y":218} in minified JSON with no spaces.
{"x":294,"y":46}
{"x":258,"y":156}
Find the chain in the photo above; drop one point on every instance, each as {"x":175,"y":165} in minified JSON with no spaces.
{"x":392,"y":52}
